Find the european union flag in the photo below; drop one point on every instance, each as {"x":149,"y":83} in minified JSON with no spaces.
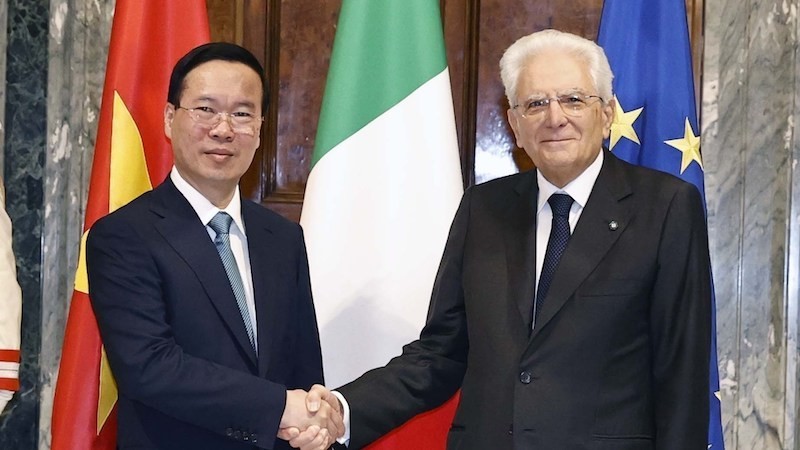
{"x":647,"y":44}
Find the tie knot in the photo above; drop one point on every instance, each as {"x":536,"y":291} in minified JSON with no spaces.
{"x":221,"y":223}
{"x":560,"y":204}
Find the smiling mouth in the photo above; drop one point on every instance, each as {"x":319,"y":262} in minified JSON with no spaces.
{"x":218,"y":153}
{"x":219,"y":157}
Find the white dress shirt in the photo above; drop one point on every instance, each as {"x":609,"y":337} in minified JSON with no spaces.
{"x":206,"y":211}
{"x":579,"y":189}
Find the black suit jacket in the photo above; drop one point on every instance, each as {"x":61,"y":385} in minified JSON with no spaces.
{"x":619,"y":357}
{"x":187,"y":375}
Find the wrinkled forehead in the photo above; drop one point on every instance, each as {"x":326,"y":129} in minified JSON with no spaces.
{"x":554,"y":73}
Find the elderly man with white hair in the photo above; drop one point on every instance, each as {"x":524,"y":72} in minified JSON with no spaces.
{"x":572,"y":306}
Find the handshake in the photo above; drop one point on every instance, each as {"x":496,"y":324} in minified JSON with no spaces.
{"x":311,"y":420}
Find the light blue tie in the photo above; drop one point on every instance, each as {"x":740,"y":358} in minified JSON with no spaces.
{"x":221,"y":224}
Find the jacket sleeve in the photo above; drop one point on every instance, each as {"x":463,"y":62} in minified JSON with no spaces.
{"x":10,"y":310}
{"x":431,"y":369}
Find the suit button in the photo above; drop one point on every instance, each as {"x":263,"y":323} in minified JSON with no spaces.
{"x":525,"y":377}
{"x":245,"y":435}
{"x":229,"y":432}
{"x":254,"y":438}
{"x":237,"y":435}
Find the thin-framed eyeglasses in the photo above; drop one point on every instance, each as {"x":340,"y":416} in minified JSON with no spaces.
{"x":572,"y":104}
{"x":241,"y":122}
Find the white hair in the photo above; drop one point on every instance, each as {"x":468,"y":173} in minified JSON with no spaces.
{"x":527,"y":47}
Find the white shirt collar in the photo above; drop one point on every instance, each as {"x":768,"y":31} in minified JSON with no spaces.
{"x":579,"y":189}
{"x":202,"y":206}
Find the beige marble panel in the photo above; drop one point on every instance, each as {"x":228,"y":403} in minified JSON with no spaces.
{"x":791,"y":423}
{"x":79,"y":35}
{"x":722,"y":106}
{"x":749,"y":90}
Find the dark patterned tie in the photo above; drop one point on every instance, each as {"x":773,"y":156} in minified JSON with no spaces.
{"x":221,"y":224}
{"x":559,"y":236}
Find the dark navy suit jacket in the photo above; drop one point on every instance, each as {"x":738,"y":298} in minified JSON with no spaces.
{"x":176,"y":343}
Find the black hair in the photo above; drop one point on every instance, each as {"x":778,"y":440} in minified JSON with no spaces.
{"x":213,"y":51}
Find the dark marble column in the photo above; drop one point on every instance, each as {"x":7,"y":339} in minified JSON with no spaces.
{"x":26,"y":128}
{"x":3,"y":43}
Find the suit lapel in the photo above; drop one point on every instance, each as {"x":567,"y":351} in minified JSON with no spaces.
{"x":520,"y":243}
{"x":183,"y":230}
{"x":261,"y":246}
{"x":603,"y":220}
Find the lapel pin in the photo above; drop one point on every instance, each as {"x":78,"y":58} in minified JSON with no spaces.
{"x":613,"y":225}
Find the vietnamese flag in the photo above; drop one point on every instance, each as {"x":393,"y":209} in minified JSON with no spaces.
{"x":131,"y":155}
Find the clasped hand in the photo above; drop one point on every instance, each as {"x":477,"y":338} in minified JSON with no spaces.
{"x":311,"y":421}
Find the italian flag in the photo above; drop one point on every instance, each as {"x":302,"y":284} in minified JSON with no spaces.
{"x":384,"y":186}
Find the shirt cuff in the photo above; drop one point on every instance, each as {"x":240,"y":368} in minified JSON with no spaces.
{"x":345,"y":439}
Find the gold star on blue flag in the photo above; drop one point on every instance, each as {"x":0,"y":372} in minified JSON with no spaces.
{"x":647,"y":44}
{"x":689,"y":146}
{"x":622,"y":127}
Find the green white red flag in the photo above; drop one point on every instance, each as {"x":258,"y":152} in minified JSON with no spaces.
{"x":384,"y":186}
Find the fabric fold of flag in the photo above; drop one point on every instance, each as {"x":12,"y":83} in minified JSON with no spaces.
{"x":131,"y":154}
{"x":383,"y":189}
{"x":647,"y":44}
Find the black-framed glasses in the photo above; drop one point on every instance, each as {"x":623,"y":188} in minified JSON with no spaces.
{"x":241,"y":122}
{"x":572,"y":104}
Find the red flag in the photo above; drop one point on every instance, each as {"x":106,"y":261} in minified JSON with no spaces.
{"x":131,"y":155}
{"x":426,"y":431}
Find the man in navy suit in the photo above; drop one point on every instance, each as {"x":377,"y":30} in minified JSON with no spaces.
{"x":203,"y":298}
{"x":572,"y":306}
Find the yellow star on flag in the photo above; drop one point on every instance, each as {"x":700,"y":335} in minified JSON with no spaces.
{"x":623,"y":124}
{"x":689,"y":146}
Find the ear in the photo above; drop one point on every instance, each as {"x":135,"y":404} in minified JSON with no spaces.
{"x":513,"y":120}
{"x":169,"y":116}
{"x":608,"y":111}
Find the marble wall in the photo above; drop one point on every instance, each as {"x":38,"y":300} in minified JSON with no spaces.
{"x":54,"y":83}
{"x":79,"y":36}
{"x":750,"y":107}
{"x":751,"y":102}
{"x":3,"y":45}
{"x":25,"y":137}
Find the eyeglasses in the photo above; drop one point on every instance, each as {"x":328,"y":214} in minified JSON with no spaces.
{"x":572,"y":104}
{"x":242,"y":122}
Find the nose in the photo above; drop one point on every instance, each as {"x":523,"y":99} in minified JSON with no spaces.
{"x":223,"y":129}
{"x":555,"y":114}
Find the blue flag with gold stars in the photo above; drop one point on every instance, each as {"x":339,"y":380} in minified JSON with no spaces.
{"x":647,"y":44}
